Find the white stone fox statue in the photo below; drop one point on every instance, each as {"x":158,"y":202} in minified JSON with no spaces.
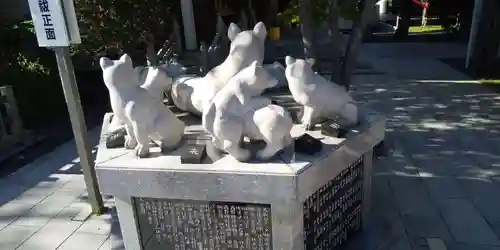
{"x":321,"y":98}
{"x":144,"y":116}
{"x":237,"y":111}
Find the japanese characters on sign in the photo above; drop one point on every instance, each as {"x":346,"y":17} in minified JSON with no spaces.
{"x":187,"y":224}
{"x":49,"y":21}
{"x":333,"y":213}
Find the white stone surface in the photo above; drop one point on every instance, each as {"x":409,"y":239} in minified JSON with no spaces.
{"x":277,"y":70}
{"x":192,"y":93}
{"x":321,"y":98}
{"x":238,"y":110}
{"x":145,"y":117}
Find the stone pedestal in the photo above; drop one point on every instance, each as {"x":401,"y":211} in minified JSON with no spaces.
{"x":296,"y":202}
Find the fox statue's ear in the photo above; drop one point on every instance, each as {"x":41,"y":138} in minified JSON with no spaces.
{"x":310,"y":61}
{"x":105,"y":62}
{"x":289,"y":60}
{"x":232,"y":31}
{"x":260,"y":30}
{"x":126,"y":58}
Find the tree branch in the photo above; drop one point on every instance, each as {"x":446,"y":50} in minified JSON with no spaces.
{"x":354,"y":44}
{"x":305,"y":12}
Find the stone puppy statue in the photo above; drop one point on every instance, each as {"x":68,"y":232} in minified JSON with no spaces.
{"x":152,"y":79}
{"x":237,"y":110}
{"x":192,"y":93}
{"x":144,"y":116}
{"x":246,"y":47}
{"x":321,"y":98}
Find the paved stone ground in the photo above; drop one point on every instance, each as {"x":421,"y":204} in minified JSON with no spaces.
{"x":438,"y":191}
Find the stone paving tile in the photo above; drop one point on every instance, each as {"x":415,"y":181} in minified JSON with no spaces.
{"x":78,"y":210}
{"x":485,"y":196}
{"x":48,"y":208}
{"x":400,"y":245}
{"x":35,"y":194}
{"x":13,"y":236}
{"x":419,"y":215}
{"x":11,"y":211}
{"x":83,"y":241}
{"x":112,"y":244}
{"x":466,"y":223}
{"x":461,"y":246}
{"x":50,"y":236}
{"x":77,"y":181}
{"x":106,"y":245}
{"x":389,"y":228}
{"x":97,"y":225}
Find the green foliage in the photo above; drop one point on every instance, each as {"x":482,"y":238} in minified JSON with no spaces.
{"x":110,"y":27}
{"x":32,"y":73}
{"x":348,"y":9}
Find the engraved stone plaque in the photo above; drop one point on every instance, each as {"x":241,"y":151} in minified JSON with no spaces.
{"x":201,"y":225}
{"x":333,"y":213}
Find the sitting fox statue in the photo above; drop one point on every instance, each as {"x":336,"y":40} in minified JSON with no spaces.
{"x":321,"y":98}
{"x":237,"y":110}
{"x":144,"y":116}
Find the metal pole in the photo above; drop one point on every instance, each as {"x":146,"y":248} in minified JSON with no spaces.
{"x":72,"y":97}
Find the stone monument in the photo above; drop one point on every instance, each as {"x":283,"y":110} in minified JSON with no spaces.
{"x":307,"y":189}
{"x":295,"y":201}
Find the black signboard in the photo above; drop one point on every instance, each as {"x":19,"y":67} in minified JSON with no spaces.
{"x":333,"y":212}
{"x":201,"y":225}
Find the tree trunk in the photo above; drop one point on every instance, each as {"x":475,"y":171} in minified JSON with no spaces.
{"x":307,"y":30}
{"x":335,"y":42}
{"x":354,"y":44}
{"x":485,"y":48}
{"x":404,"y":18}
{"x":272,"y":13}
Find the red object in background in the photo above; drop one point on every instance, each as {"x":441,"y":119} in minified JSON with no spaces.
{"x":422,"y":3}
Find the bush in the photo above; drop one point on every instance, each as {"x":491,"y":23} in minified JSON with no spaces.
{"x":32,"y":73}
{"x":113,"y":27}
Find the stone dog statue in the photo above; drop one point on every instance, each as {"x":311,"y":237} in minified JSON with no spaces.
{"x":190,"y":93}
{"x":321,"y":98}
{"x":152,"y":79}
{"x":237,"y":110}
{"x":144,"y":116}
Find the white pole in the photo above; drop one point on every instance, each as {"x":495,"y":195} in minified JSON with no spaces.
{"x":189,"y":25}
{"x":72,"y":97}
